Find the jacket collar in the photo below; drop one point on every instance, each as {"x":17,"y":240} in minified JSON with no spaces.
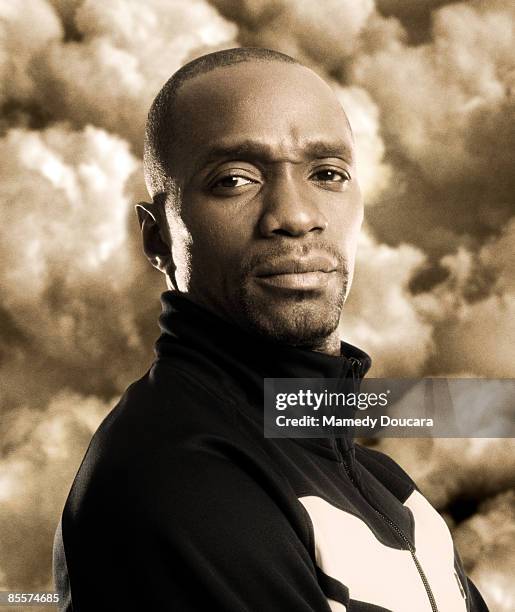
{"x":195,"y":333}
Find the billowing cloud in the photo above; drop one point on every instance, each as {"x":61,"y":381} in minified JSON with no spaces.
{"x":120,"y":54}
{"x":414,"y":16}
{"x":321,"y":36}
{"x":380,"y":314}
{"x":52,"y":181}
{"x":473,"y":311}
{"x":67,"y":262}
{"x":487,"y":558}
{"x":41,"y":449}
{"x":364,"y":117}
{"x":446,"y":107}
{"x":20,"y":42}
{"x":446,"y":468}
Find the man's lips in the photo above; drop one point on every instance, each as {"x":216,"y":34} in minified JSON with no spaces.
{"x":308,"y":273}
{"x":298,"y":265}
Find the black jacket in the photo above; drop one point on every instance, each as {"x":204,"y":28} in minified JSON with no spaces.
{"x":181,"y":504}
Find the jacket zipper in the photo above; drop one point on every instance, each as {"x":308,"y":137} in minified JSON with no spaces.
{"x":398,"y":530}
{"x":356,"y":364}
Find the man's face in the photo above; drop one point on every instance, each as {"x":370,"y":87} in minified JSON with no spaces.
{"x":265,"y":227}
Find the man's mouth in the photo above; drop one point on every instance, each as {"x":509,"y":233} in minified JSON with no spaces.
{"x":306,"y":273}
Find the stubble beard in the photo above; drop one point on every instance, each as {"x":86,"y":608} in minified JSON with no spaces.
{"x":300,"y":318}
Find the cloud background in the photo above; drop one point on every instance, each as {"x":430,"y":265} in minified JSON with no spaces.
{"x":429,"y":87}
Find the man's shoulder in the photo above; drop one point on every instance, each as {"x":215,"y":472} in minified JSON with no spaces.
{"x":166,"y":435}
{"x":164,"y":404}
{"x":155,"y":420}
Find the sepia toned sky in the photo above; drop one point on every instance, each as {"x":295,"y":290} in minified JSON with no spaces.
{"x":429,"y":87}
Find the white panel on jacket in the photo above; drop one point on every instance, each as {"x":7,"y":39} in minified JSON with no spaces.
{"x":348,"y":551}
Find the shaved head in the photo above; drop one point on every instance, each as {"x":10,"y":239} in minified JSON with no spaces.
{"x":160,"y":132}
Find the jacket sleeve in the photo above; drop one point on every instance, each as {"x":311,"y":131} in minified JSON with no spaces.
{"x":195,"y":528}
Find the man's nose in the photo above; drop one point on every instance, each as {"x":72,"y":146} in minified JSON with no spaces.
{"x":290,"y":209}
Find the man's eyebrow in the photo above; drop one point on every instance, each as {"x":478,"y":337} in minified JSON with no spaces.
{"x":249,"y":150}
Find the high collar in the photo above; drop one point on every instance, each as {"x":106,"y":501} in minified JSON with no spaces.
{"x":196,"y":333}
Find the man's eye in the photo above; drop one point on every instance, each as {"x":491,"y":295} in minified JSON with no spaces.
{"x":331,"y":176}
{"x":232,"y":181}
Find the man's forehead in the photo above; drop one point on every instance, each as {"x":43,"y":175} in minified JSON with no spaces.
{"x":260,"y":111}
{"x":255,"y":83}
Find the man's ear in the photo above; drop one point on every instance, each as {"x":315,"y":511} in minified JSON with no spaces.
{"x":156,"y":238}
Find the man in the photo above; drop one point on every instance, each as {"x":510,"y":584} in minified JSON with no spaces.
{"x":181,"y":503}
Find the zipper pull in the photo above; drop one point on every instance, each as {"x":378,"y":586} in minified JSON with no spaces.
{"x":356,"y":366}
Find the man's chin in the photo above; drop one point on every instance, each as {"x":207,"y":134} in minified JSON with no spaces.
{"x":299,"y":319}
